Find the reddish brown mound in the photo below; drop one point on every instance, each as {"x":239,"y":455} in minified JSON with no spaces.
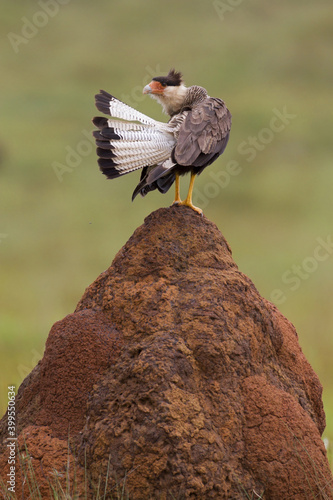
{"x":175,"y":376}
{"x":51,"y":402}
{"x":46,"y":461}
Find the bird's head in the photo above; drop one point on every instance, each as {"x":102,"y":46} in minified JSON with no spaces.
{"x":168,"y":90}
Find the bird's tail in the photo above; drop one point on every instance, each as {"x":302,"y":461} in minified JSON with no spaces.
{"x":124,"y":146}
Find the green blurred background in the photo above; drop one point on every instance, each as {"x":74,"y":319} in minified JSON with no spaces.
{"x":62,"y":222}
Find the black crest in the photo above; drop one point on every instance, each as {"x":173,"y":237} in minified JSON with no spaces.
{"x":174,"y":78}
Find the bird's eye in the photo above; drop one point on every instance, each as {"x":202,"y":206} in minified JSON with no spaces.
{"x":163,"y":84}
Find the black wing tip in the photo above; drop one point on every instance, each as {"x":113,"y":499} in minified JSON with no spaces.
{"x":106,"y":163}
{"x":104,"y":144}
{"x":100,"y":122}
{"x":102,"y":101}
{"x":110,"y":174}
{"x":106,"y":134}
{"x":104,"y":152}
{"x":138,"y":190}
{"x":102,"y":104}
{"x":97,"y":134}
{"x":103,"y":94}
{"x":108,"y":168}
{"x":109,"y":133}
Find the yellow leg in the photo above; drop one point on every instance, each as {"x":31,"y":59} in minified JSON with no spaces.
{"x":177,"y":191}
{"x":188,"y":201}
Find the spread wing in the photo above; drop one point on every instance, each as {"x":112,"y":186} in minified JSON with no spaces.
{"x":204,"y":134}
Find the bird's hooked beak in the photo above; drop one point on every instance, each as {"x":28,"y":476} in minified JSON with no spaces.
{"x":154,"y":88}
{"x":146,"y":89}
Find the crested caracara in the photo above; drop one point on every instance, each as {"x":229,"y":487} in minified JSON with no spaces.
{"x":195,"y":135}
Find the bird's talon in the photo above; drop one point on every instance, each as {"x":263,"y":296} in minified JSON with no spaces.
{"x":190,"y":205}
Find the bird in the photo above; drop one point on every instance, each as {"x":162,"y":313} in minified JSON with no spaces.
{"x":195,"y":135}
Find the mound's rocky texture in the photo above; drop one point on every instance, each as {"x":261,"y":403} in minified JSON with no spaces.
{"x":176,"y":377}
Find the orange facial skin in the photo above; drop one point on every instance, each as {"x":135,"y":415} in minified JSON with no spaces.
{"x":154,"y":88}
